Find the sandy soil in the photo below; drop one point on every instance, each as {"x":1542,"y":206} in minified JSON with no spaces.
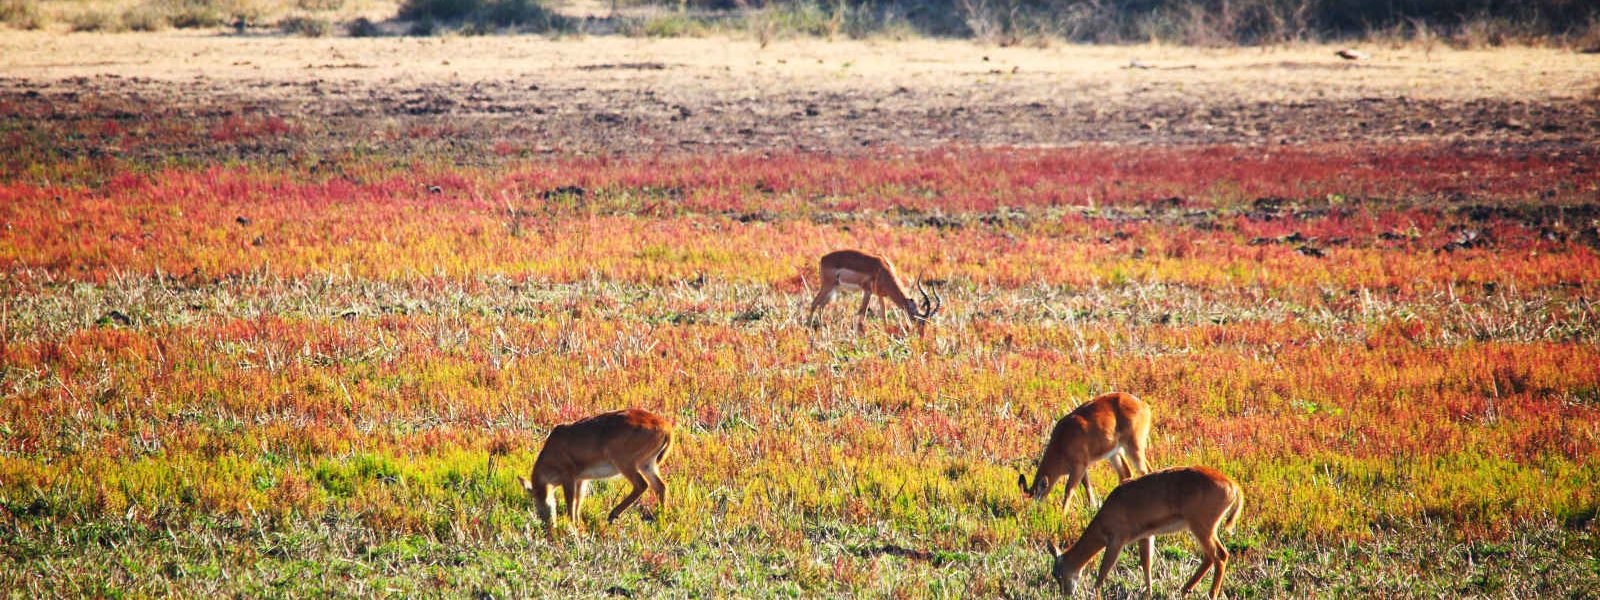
{"x":617,"y":94}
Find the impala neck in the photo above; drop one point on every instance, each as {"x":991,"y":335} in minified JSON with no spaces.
{"x":897,"y":294}
{"x":1051,"y":467}
{"x":1083,"y":550}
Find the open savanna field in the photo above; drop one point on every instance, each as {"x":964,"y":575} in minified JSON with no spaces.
{"x":289,"y":317}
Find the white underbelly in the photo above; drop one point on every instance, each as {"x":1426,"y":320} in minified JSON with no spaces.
{"x":600,"y":470}
{"x":850,"y":280}
{"x":1172,"y":526}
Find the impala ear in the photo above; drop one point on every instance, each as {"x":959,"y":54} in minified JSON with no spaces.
{"x":1055,"y":551}
{"x":1022,"y":482}
{"x":526,"y":484}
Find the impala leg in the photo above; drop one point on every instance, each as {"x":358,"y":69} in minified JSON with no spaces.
{"x":1120,"y":463}
{"x":1073,"y":481}
{"x":1147,"y":550}
{"x":1134,"y":453}
{"x":573,"y":490}
{"x":861,"y":315}
{"x":656,"y":484}
{"x":1219,"y":562}
{"x":1088,"y":492}
{"x":640,"y":485}
{"x":1213,"y":556}
{"x":1106,"y":563}
{"x":1205,"y":565}
{"x":824,"y":296}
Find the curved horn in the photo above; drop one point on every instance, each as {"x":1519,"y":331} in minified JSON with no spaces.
{"x":923,"y":307}
{"x":929,"y":309}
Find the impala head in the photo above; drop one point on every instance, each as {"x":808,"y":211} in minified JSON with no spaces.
{"x":1065,"y":576}
{"x":544,"y":502}
{"x":1040,"y":488}
{"x":924,"y":311}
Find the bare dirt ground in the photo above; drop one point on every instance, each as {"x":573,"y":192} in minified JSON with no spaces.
{"x":606,"y":94}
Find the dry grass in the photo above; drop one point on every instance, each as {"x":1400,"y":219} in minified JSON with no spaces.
{"x":720,"y":65}
{"x":158,"y":15}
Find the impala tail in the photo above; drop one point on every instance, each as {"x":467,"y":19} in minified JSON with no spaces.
{"x":1235,"y":509}
{"x":665,"y":446}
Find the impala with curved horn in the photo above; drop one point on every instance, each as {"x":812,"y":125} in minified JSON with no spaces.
{"x":1113,"y":427}
{"x":874,"y":276}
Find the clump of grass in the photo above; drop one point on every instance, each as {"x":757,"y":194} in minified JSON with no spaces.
{"x":184,"y":14}
{"x":673,"y":25}
{"x":94,"y":20}
{"x":306,"y":26}
{"x":21,"y":14}
{"x":145,"y":18}
{"x":319,"y":5}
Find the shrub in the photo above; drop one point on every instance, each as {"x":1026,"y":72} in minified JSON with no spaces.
{"x":520,"y":12}
{"x":477,"y":28}
{"x":526,"y":13}
{"x":304,"y":26}
{"x":442,"y":10}
{"x":423,"y":26}
{"x":363,"y":27}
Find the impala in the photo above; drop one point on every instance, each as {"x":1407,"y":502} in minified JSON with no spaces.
{"x":630,"y":443}
{"x":1166,"y":501}
{"x":1113,"y":427}
{"x":874,"y":276}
